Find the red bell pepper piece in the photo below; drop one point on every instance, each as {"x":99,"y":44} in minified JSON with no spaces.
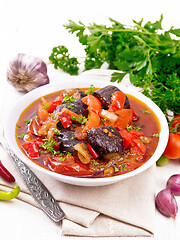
{"x":65,"y":119}
{"x":137,"y":147}
{"x":65,"y":168}
{"x":32,"y":147}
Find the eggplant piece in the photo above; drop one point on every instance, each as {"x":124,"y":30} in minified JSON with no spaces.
{"x":104,"y":95}
{"x":67,"y":141}
{"x":77,"y":107}
{"x":105,"y":140}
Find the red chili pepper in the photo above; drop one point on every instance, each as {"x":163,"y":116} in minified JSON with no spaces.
{"x":5,"y":174}
{"x":92,"y":151}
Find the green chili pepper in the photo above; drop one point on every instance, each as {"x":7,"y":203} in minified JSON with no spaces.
{"x":9,"y":195}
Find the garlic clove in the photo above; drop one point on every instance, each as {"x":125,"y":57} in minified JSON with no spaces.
{"x":173,"y":184}
{"x":26,"y":72}
{"x":166,"y":203}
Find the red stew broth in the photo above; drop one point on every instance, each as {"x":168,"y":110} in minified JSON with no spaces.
{"x":147,"y":121}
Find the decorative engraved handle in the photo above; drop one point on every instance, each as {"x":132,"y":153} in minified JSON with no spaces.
{"x":37,"y":189}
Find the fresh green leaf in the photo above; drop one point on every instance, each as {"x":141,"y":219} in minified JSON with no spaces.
{"x":116,"y":76}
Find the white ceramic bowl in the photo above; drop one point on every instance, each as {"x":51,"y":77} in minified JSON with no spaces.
{"x":27,"y":99}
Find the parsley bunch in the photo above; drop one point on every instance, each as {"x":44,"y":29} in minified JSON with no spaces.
{"x":148,"y":54}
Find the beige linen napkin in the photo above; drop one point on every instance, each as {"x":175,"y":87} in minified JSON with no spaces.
{"x":122,"y":209}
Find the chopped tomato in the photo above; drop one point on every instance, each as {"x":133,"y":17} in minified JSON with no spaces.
{"x":32,"y":147}
{"x":92,"y":122}
{"x":65,"y":119}
{"x":128,"y":137}
{"x":75,"y":169}
{"x":42,"y":113}
{"x":93,"y":103}
{"x":125,"y":118}
{"x":172,"y":150}
{"x":34,"y":126}
{"x":118,"y":99}
{"x":137,"y":147}
{"x":58,"y":100}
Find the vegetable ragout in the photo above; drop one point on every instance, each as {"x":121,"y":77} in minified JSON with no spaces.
{"x":88,"y":132}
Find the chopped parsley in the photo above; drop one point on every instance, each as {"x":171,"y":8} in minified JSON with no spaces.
{"x":90,"y":90}
{"x":129,"y":128}
{"x":72,"y":106}
{"x":56,"y":131}
{"x":123,"y":167}
{"x":48,"y":145}
{"x":103,"y":121}
{"x":61,"y":159}
{"x":145,"y":111}
{"x":116,"y":169}
{"x":68,"y":99}
{"x":21,"y":135}
{"x":27,"y":121}
{"x":155,"y":135}
{"x":81,"y":120}
{"x":95,"y":163}
{"x":73,"y":137}
{"x":46,"y":107}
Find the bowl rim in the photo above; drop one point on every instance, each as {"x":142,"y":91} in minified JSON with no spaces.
{"x":27,"y":99}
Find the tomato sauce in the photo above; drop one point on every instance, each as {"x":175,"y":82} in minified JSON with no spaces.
{"x":37,"y":138}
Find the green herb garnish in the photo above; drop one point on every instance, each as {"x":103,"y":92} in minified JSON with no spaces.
{"x":68,"y":99}
{"x":129,"y":128}
{"x":48,"y":145}
{"x":95,"y":163}
{"x":81,"y":120}
{"x":72,"y":106}
{"x":90,"y":90}
{"x":27,"y":121}
{"x":46,"y":107}
{"x":73,"y":137}
{"x":116,"y":169}
{"x":21,"y":135}
{"x":103,"y":121}
{"x":145,"y":111}
{"x":155,"y":135}
{"x":56,"y":131}
{"x":123,"y":167}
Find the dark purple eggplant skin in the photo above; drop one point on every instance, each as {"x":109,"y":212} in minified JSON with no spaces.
{"x":104,"y":96}
{"x":77,"y":107}
{"x":67,"y":141}
{"x":105,"y":140}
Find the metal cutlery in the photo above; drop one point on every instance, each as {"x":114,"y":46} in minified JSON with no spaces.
{"x":37,"y":189}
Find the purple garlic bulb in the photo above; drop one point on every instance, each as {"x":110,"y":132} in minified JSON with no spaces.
{"x":26,"y":72}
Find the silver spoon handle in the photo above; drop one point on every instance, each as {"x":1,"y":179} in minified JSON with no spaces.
{"x":37,"y":189}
